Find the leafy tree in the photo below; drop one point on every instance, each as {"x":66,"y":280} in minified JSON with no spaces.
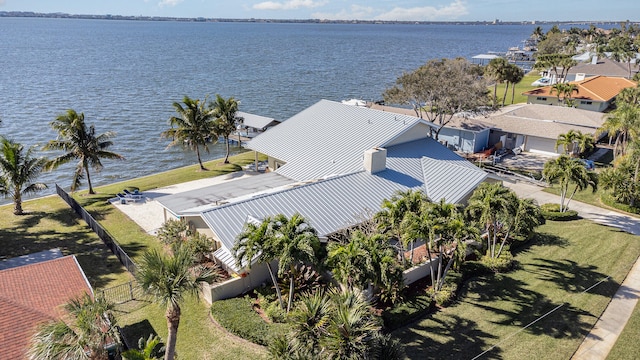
{"x":18,"y":171}
{"x":227,"y":120}
{"x":167,"y":279}
{"x":79,"y":142}
{"x":337,"y":324}
{"x":515,"y":74}
{"x":622,"y":49}
{"x":90,"y":329}
{"x":566,"y":171}
{"x":192,"y":127}
{"x":439,"y":90}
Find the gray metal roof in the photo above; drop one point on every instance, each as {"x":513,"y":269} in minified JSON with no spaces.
{"x":256,"y":121}
{"x":193,"y":201}
{"x":342,"y":201}
{"x":329,"y":138}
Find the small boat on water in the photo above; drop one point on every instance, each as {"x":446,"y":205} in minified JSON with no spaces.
{"x":355,"y":102}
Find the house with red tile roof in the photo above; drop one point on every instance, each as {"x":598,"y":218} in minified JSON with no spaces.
{"x":36,"y":293}
{"x":595,"y":93}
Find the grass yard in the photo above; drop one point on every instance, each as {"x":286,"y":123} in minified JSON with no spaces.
{"x":627,"y":344}
{"x":595,"y":199}
{"x":198,"y":337}
{"x":554,"y":269}
{"x":522,"y":86}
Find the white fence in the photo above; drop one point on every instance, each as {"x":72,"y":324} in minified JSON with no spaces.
{"x":236,"y":286}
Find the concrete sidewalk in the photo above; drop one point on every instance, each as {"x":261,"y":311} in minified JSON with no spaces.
{"x":604,"y":334}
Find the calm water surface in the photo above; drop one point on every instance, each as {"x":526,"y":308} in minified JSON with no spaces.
{"x":124,"y":75}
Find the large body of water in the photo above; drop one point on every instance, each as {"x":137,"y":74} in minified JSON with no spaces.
{"x":124,"y":75}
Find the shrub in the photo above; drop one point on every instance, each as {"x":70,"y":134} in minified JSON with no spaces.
{"x":238,"y":317}
{"x":200,"y":245}
{"x":275,"y":313}
{"x":172,"y":231}
{"x":445,"y":295}
{"x":552,"y":212}
{"x":504,"y":263}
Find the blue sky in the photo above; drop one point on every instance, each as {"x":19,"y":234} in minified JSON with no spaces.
{"x":436,"y":10}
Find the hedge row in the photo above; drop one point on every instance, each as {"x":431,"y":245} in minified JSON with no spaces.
{"x":552,"y":212}
{"x":238,"y":317}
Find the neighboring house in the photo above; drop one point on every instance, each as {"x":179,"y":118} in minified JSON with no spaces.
{"x":599,"y":67}
{"x":595,"y":93}
{"x":252,"y":125}
{"x":35,"y":293}
{"x":535,"y":128}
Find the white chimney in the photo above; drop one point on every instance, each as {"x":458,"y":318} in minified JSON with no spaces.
{"x":375,"y":160}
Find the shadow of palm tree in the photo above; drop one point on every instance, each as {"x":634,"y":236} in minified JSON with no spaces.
{"x":462,"y":339}
{"x":573,"y":277}
{"x":539,"y":239}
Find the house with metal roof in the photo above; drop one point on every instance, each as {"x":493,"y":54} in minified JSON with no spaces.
{"x":252,"y":124}
{"x":595,"y":93}
{"x":343,"y":161}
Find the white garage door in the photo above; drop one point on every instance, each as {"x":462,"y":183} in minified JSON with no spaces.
{"x":541,"y":145}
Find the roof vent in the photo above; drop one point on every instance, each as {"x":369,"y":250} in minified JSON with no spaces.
{"x":375,"y":160}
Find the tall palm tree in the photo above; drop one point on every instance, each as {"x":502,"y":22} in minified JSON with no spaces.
{"x":564,"y":92}
{"x":167,"y":279}
{"x":516,"y":74}
{"x":526,"y":217}
{"x":567,"y":171}
{"x":192,"y":127}
{"x":90,"y":330}
{"x":79,"y":142}
{"x":254,"y":244}
{"x":488,"y":205}
{"x":296,"y":242}
{"x":391,"y":218}
{"x":18,"y":171}
{"x":226,"y":119}
{"x":624,"y":124}
{"x":496,"y":70}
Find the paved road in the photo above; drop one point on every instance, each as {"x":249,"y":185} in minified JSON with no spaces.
{"x":604,"y":334}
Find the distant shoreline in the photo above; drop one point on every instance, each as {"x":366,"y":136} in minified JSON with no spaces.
{"x":29,"y":14}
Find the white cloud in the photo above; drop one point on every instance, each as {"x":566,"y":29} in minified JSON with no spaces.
{"x":287,"y":5}
{"x":169,"y":2}
{"x":356,"y":12}
{"x":451,"y":11}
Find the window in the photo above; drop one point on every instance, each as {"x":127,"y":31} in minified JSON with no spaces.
{"x":582,"y":102}
{"x":540,"y":98}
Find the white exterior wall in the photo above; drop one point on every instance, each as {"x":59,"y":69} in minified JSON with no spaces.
{"x":236,"y":286}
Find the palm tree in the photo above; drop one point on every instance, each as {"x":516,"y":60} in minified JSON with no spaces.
{"x":566,"y":171}
{"x":167,"y":279}
{"x":18,"y":171}
{"x":227,"y":120}
{"x":296,"y":242}
{"x":254,"y":244}
{"x":497,"y":71}
{"x":337,"y":324}
{"x":393,"y":213}
{"x":515,"y":75}
{"x":79,"y":142}
{"x":564,"y":91}
{"x":150,"y":349}
{"x":488,"y":205}
{"x":623,"y":123}
{"x":567,"y":141}
{"x":192,"y":127}
{"x":527,"y":216}
{"x":90,"y":330}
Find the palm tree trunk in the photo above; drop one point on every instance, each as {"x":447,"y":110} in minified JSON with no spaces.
{"x":513,"y":93}
{"x":199,"y":159}
{"x":433,"y":283}
{"x":506,"y":236}
{"x":571,"y":197}
{"x":275,"y":284}
{"x":226,"y":158}
{"x":504,"y":97}
{"x":444,"y":273}
{"x":291,"y":286}
{"x":86,"y":169}
{"x":411,"y":256}
{"x":173,"y":320}
{"x":17,"y":202}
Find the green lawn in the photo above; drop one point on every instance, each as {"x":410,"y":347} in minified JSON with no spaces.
{"x":596,"y":199}
{"x":554,"y":269}
{"x":627,"y":344}
{"x":522,"y":86}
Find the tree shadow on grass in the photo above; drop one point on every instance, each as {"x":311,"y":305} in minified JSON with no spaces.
{"x":464,"y":339}
{"x":539,"y":239}
{"x":131,"y":334}
{"x":573,"y":277}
